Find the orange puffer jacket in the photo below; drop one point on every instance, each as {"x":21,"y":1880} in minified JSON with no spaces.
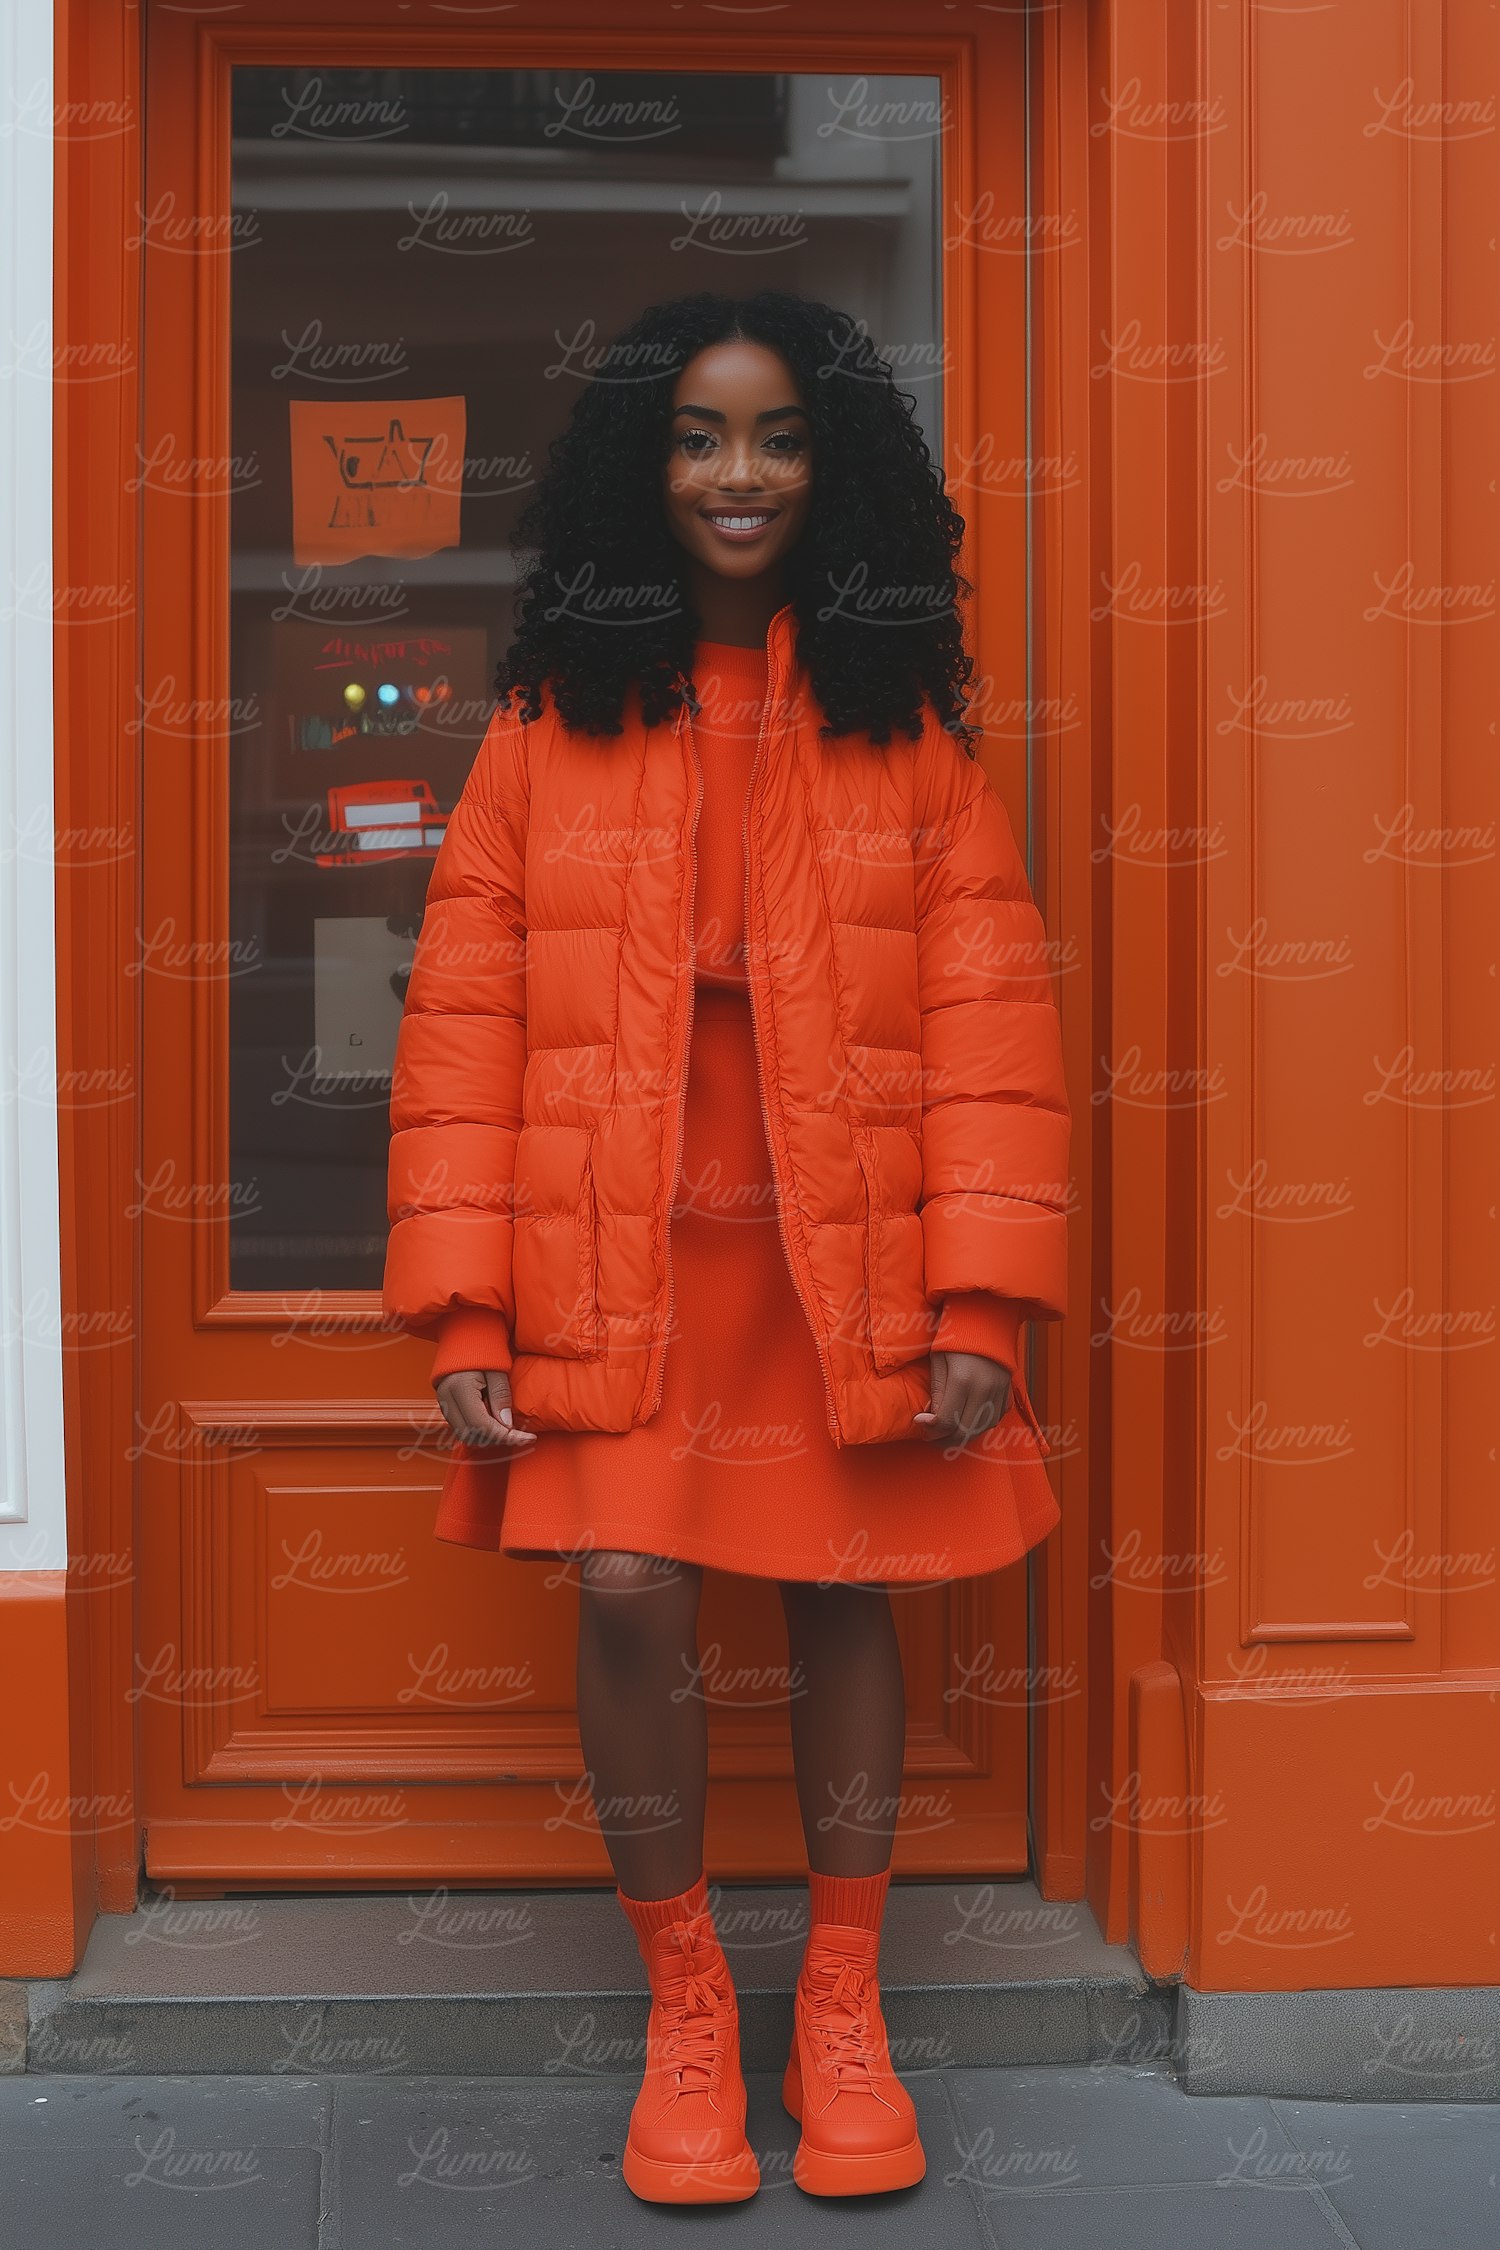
{"x":909,"y":1047}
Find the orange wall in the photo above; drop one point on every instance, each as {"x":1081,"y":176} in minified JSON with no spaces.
{"x":1265,"y":611}
{"x":1346,"y":1651}
{"x":1279,"y":603}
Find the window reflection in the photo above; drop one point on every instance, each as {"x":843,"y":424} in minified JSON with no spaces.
{"x":423,"y":261}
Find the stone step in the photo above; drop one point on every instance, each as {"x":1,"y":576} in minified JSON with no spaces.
{"x":486,"y":1983}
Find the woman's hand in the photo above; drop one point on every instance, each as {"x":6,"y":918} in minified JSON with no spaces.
{"x":476,"y":1407}
{"x":969,"y":1395}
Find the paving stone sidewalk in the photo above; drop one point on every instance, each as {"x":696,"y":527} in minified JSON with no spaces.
{"x":1076,"y":2158}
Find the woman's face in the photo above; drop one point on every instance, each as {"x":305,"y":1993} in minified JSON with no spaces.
{"x":738,"y":476}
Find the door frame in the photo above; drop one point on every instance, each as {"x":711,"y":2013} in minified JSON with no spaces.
{"x":98,"y":791}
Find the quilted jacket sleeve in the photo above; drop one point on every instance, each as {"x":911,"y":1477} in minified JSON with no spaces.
{"x":460,"y":1062}
{"x":995,"y":1116}
{"x":978,"y":1322}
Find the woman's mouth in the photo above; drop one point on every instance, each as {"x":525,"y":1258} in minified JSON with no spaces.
{"x":739,"y":524}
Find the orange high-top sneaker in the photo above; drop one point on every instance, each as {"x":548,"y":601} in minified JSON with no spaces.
{"x":687,"y":2142}
{"x":859,"y":2128}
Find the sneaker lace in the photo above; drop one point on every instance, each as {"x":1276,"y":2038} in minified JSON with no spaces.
{"x":841,"y":2018}
{"x":694,"y":2006}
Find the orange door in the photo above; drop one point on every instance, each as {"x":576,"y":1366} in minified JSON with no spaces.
{"x":378,"y":263}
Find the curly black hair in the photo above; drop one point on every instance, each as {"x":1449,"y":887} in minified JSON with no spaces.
{"x":880,"y":520}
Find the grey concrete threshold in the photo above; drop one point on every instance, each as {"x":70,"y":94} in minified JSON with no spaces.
{"x":539,"y":1984}
{"x":1373,"y":2043}
{"x":491,"y":1983}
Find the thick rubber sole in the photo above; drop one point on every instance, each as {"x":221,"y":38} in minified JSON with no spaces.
{"x":866,"y":2172}
{"x":657,"y":2179}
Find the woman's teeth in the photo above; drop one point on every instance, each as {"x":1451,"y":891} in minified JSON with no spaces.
{"x":741,"y":523}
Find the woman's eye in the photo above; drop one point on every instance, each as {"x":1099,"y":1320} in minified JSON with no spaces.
{"x":778,"y":441}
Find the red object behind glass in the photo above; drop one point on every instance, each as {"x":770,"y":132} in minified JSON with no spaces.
{"x":383,"y":820}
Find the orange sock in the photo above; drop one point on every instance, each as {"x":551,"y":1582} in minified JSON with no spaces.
{"x":855,"y":1902}
{"x":648,"y":1915}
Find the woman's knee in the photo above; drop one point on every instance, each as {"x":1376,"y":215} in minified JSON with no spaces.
{"x":638,"y":1605}
{"x":840,"y":1606}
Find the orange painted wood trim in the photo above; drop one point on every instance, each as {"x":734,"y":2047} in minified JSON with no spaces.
{"x":53,"y":1820}
{"x":96,"y":682}
{"x":1161,"y":1812}
{"x":1068,"y":784}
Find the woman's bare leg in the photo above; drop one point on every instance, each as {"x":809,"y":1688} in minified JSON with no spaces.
{"x":848,"y":1712}
{"x":642,"y":1718}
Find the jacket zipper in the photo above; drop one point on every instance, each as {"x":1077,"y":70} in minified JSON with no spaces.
{"x":772,"y":698}
{"x":687,"y":1038}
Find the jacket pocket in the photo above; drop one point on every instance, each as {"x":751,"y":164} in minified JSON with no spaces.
{"x":902,"y":1323}
{"x":556,"y":1244}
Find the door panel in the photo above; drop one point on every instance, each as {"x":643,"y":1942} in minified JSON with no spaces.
{"x":377,"y":265}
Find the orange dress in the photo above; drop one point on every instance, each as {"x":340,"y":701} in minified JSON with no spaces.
{"x":738,"y":1468}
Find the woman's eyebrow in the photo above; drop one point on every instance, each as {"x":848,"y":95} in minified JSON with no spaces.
{"x":712,"y":414}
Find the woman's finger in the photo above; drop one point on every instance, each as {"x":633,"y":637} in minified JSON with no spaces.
{"x":476,"y":1407}
{"x":972,"y":1405}
{"x":500,"y":1427}
{"x":937,"y":1385}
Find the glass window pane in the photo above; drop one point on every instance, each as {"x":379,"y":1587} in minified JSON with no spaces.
{"x":422,"y":260}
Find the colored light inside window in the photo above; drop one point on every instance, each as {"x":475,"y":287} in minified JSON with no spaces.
{"x":354,"y":695}
{"x":421,"y":695}
{"x":388,"y":693}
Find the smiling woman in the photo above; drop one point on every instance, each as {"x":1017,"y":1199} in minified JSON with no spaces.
{"x":739,"y":475}
{"x":730,"y":1140}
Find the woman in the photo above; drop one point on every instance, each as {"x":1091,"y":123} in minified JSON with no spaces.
{"x":761,"y":1310}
